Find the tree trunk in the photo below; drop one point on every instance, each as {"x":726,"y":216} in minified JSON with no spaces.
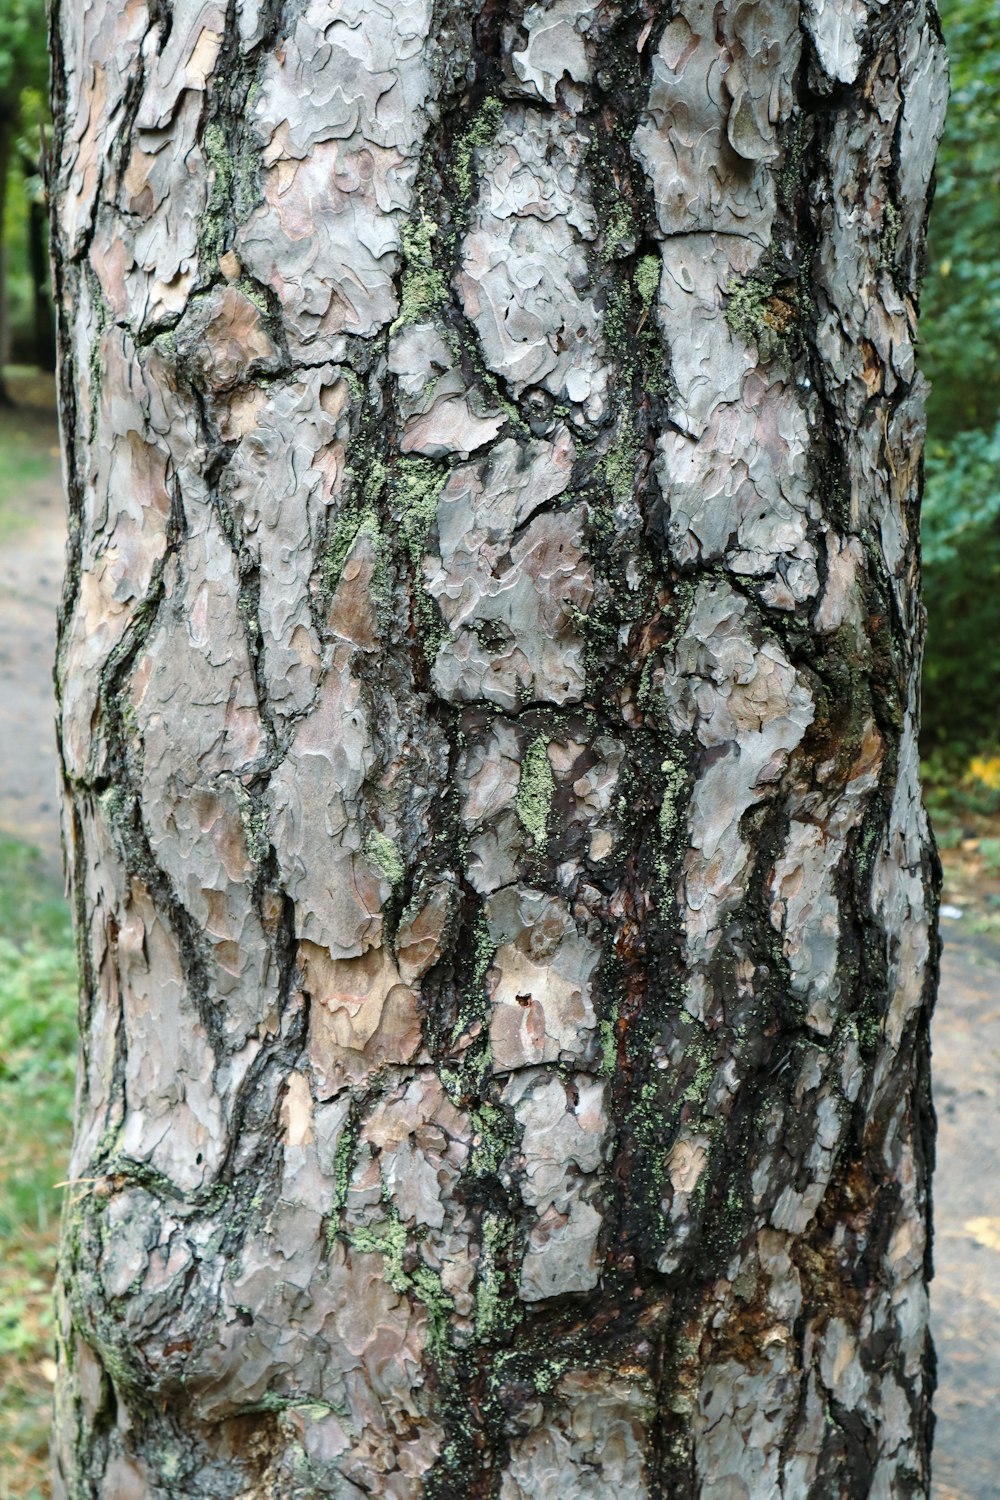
{"x":8,"y":114}
{"x":489,"y":677}
{"x":43,"y":344}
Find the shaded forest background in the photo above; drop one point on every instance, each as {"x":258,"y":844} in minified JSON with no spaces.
{"x":960,"y":336}
{"x":960,"y":339}
{"x":26,"y":329}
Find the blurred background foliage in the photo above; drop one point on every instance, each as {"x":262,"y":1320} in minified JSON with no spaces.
{"x":25,"y":307}
{"x":960,"y":332}
{"x":29,"y":329}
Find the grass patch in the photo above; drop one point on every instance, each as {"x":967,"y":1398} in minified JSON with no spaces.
{"x":37,"y":1053}
{"x":29,"y":451}
{"x":21,"y":465}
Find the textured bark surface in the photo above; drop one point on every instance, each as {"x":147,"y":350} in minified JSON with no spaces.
{"x":489,"y":669}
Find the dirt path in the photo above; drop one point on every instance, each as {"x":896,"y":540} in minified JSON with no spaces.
{"x":965,"y":1295}
{"x":966,"y":1291}
{"x":30,"y":569}
{"x":32,"y":545}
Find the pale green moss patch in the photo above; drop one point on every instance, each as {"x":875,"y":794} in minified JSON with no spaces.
{"x":671,"y":807}
{"x":619,"y":462}
{"x":254,"y":818}
{"x":383,"y":854}
{"x":492,"y":1141}
{"x":765,"y":310}
{"x":341,"y":540}
{"x":220,"y":192}
{"x":388,"y":1239}
{"x":535,"y":790}
{"x":255,"y":294}
{"x":619,"y":231}
{"x":676,"y":778}
{"x":480,"y":133}
{"x":647,"y":279}
{"x":609,"y":1048}
{"x":495,"y":1312}
{"x":889,"y":238}
{"x":423,"y":286}
{"x":473,"y":1007}
{"x":697,"y":1090}
{"x":233,"y":191}
{"x":548,"y":1373}
{"x":416,"y":485}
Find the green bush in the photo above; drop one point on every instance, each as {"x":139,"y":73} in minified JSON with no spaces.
{"x":960,"y":328}
{"x":989,"y":853}
{"x":38,"y":992}
{"x":961,"y":694}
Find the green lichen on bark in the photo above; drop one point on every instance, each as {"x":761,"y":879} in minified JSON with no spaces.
{"x":676,"y":777}
{"x":341,"y":539}
{"x":415,"y":488}
{"x":618,"y":231}
{"x":479,"y":133}
{"x":343,"y":1166}
{"x":768,"y":307}
{"x":619,"y":464}
{"x":889,"y":238}
{"x":212,"y":239}
{"x":609,"y":1047}
{"x":384,"y":855}
{"x":631,"y":333}
{"x":535,"y":790}
{"x":423,"y":286}
{"x":647,"y":279}
{"x":390,"y":1239}
{"x":497,"y":1308}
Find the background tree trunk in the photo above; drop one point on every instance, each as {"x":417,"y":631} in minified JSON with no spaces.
{"x":8,"y":123}
{"x":489,"y":670}
{"x":43,"y":329}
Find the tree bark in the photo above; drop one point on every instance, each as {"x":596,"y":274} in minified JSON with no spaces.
{"x":489,"y":685}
